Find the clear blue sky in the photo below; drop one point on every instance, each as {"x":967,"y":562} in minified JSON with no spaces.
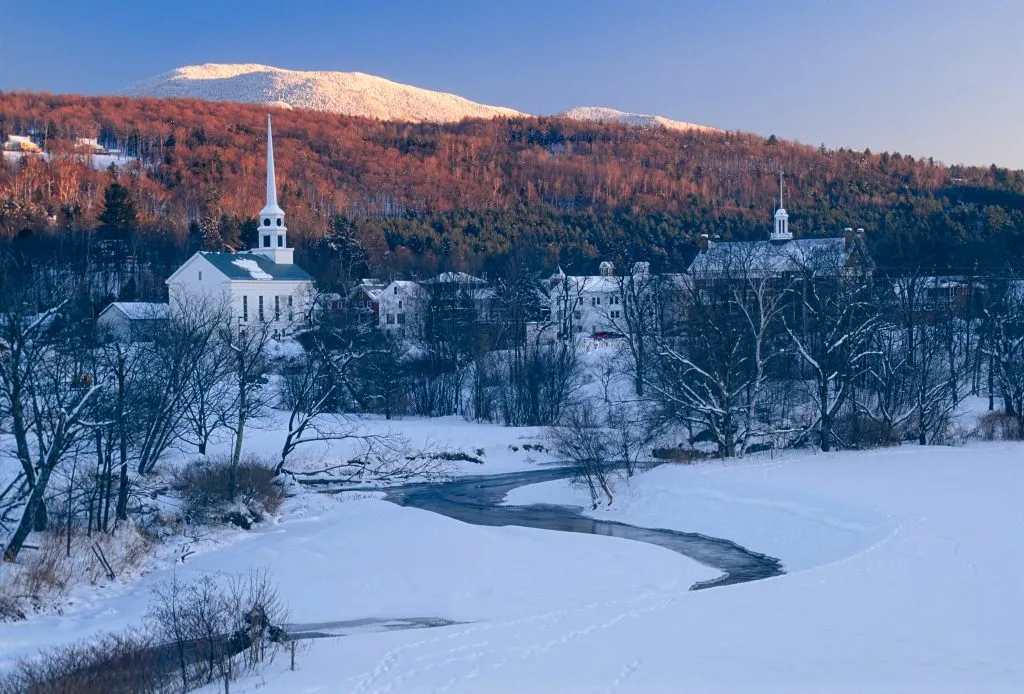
{"x":928,"y":77}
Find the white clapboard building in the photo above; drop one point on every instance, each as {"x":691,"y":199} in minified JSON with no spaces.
{"x":259,"y":286}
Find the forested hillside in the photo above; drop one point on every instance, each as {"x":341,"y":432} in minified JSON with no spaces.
{"x":398,"y":198}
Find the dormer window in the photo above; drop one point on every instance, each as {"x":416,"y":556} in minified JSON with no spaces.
{"x":266,"y":222}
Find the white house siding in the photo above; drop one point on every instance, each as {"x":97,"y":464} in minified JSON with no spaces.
{"x":198,"y":282}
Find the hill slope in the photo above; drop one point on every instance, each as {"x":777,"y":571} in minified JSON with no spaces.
{"x":348,"y":93}
{"x":419,"y":197}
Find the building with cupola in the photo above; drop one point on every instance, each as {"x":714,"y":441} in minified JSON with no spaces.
{"x":261,"y":286}
{"x":781,"y":254}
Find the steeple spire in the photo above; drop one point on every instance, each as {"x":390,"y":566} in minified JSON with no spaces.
{"x":272,"y":234}
{"x":272,"y":207}
{"x":271,"y":184}
{"x":781,"y":206}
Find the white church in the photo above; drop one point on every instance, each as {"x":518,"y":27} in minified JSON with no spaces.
{"x":262,"y":285}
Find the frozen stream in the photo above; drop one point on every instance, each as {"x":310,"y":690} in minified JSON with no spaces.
{"x":478,"y":500}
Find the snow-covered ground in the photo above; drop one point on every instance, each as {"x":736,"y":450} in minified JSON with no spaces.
{"x":904,"y":573}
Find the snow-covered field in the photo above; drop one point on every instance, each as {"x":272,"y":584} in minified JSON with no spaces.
{"x":904,"y":573}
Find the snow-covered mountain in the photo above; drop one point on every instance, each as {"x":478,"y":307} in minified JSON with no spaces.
{"x":352,"y":94}
{"x":603,"y":114}
{"x":349,"y":93}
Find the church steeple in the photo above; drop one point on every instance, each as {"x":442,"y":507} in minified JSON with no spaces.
{"x":272,"y":235}
{"x":781,"y":231}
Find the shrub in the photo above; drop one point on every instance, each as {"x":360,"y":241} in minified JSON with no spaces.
{"x":110,"y":664}
{"x":855,"y":430}
{"x":47,"y":570}
{"x":999,"y":426}
{"x":203,"y":485}
{"x":674,"y":455}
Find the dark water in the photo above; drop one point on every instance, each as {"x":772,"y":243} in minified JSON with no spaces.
{"x":477,"y":500}
{"x":366,"y":625}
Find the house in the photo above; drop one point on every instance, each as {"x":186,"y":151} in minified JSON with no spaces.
{"x":588,"y":304}
{"x":364,"y":301}
{"x":131,"y":321}
{"x":262,"y":286}
{"x":404,"y":304}
{"x":401,"y":306}
{"x":89,"y":145}
{"x":21,"y":143}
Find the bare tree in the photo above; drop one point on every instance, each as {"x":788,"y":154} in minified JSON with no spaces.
{"x":1004,"y":325}
{"x":247,"y":353}
{"x":581,"y":437}
{"x":831,"y":333}
{"x":56,"y":398}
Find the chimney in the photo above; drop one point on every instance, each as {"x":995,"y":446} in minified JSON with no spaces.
{"x":702,"y":243}
{"x":848,"y":236}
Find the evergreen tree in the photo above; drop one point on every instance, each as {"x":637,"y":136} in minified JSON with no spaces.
{"x":118,"y":209}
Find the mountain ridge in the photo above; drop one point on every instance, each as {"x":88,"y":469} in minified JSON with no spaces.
{"x":355,"y":94}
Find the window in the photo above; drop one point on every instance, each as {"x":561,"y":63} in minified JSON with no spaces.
{"x":280,"y":241}
{"x":266,"y":222}
{"x":245,"y":308}
{"x":400,"y":304}
{"x":595,"y":301}
{"x":200,"y":275}
{"x":401,"y":319}
{"x":614,"y":300}
{"x":577,"y":314}
{"x":290,"y":314}
{"x":279,"y":222}
{"x":391,"y":319}
{"x":277,"y":307}
{"x":616,"y":314}
{"x":395,"y":289}
{"x":261,"y":307}
{"x":266,"y":240}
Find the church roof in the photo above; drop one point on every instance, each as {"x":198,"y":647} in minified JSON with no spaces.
{"x":239,"y":266}
{"x":771,"y":257}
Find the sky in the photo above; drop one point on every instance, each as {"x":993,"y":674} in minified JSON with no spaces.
{"x":940,"y":78}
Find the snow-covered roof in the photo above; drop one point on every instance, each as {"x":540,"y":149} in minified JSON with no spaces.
{"x":587,"y":284}
{"x":253,"y":268}
{"x":771,"y":257}
{"x":456,"y":277}
{"x":230,"y":265}
{"x":139,"y":310}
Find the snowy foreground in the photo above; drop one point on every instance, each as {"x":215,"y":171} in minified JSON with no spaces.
{"x":905,"y":567}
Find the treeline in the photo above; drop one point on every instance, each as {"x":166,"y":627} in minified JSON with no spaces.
{"x":427,"y":197}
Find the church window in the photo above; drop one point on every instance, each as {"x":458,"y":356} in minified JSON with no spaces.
{"x":277,"y":307}
{"x":266,"y":240}
{"x":245,"y":308}
{"x":278,"y":222}
{"x":261,"y":307}
{"x":280,"y":241}
{"x":266,"y":222}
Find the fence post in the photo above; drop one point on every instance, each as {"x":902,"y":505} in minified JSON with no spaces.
{"x":293,"y":656}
